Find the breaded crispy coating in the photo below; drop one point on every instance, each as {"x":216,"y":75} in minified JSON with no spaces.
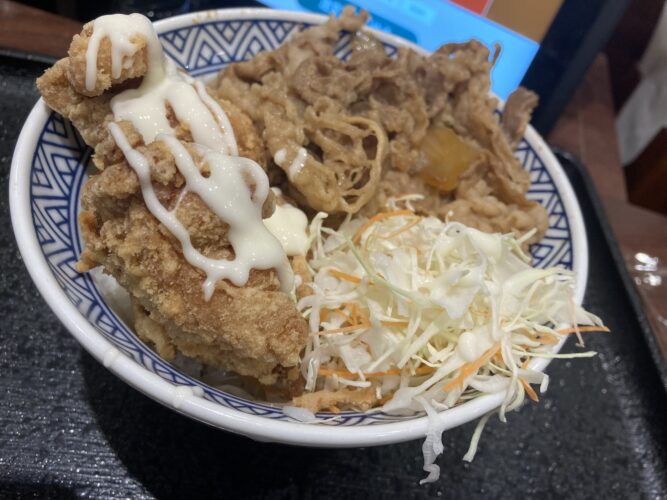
{"x":254,"y":330}
{"x":89,"y":115}
{"x":251,"y":330}
{"x":135,"y":66}
{"x":59,"y":87}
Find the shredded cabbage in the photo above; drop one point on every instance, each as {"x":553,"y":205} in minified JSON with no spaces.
{"x":430,"y":313}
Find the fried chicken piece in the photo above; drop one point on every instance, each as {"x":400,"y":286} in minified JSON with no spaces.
{"x":135,"y":66}
{"x":342,"y":399}
{"x":253,"y":330}
{"x":89,"y":115}
{"x":289,"y":382}
{"x":92,"y":115}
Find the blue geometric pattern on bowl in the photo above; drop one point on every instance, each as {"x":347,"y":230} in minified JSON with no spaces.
{"x":58,"y":172}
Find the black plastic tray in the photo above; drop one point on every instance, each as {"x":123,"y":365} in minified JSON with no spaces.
{"x":69,"y":428}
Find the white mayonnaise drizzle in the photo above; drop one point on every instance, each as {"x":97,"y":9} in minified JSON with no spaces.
{"x":288,"y":224}
{"x":146,"y":108}
{"x":297,"y":163}
{"x":228,"y":196}
{"x":225,"y":191}
{"x":280,"y":156}
{"x":220,"y":115}
{"x":119,"y":29}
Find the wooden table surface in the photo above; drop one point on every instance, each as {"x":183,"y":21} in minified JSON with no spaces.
{"x":586,"y":129}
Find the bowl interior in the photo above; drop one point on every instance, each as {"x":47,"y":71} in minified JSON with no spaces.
{"x":60,"y":159}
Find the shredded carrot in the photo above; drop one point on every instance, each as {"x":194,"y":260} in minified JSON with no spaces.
{"x":529,"y":390}
{"x":422,"y":370}
{"x":345,"y":329}
{"x":357,"y":318}
{"x":577,"y":332}
{"x":377,"y":218}
{"x":356,"y":313}
{"x":393,"y":234}
{"x":349,"y":310}
{"x":470,"y":368}
{"x":400,"y":230}
{"x":340,"y":311}
{"x":345,"y":276}
{"x":395,"y":324}
{"x":546,"y":338}
{"x":326,"y":313}
{"x":567,"y":331}
{"x":498,"y":359}
{"x":340,"y":373}
{"x":477,"y":312}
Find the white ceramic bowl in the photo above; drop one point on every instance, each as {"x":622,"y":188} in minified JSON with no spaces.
{"x":46,"y":176}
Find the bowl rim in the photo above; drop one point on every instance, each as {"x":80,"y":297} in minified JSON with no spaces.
{"x":214,"y":414}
